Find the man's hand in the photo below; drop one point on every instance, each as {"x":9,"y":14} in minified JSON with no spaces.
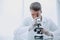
{"x":33,"y":24}
{"x":46,"y":32}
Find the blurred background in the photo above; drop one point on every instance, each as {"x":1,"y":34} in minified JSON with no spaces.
{"x":12,"y":13}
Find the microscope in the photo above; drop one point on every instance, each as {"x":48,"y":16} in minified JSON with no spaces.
{"x":37,"y":30}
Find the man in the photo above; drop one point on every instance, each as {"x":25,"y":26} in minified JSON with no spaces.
{"x":48,"y":26}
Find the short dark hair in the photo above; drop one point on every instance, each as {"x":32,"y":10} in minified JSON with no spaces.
{"x":36,"y":6}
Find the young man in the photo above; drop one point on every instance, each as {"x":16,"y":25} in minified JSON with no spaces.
{"x":48,"y":26}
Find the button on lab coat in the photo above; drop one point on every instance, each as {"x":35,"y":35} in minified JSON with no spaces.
{"x":22,"y":33}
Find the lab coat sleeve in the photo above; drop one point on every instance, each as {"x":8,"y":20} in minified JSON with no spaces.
{"x":57,"y":34}
{"x":18,"y":34}
{"x":21,"y":33}
{"x":52,"y":26}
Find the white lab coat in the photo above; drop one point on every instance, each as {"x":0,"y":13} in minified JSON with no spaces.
{"x":22,"y":33}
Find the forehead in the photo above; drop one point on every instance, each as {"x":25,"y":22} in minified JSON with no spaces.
{"x":35,"y":12}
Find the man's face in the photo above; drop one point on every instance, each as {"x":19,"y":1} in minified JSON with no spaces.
{"x":35,"y":13}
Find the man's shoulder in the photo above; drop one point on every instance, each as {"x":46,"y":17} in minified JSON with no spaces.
{"x":27,"y":18}
{"x":47,"y":20}
{"x":27,"y":21}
